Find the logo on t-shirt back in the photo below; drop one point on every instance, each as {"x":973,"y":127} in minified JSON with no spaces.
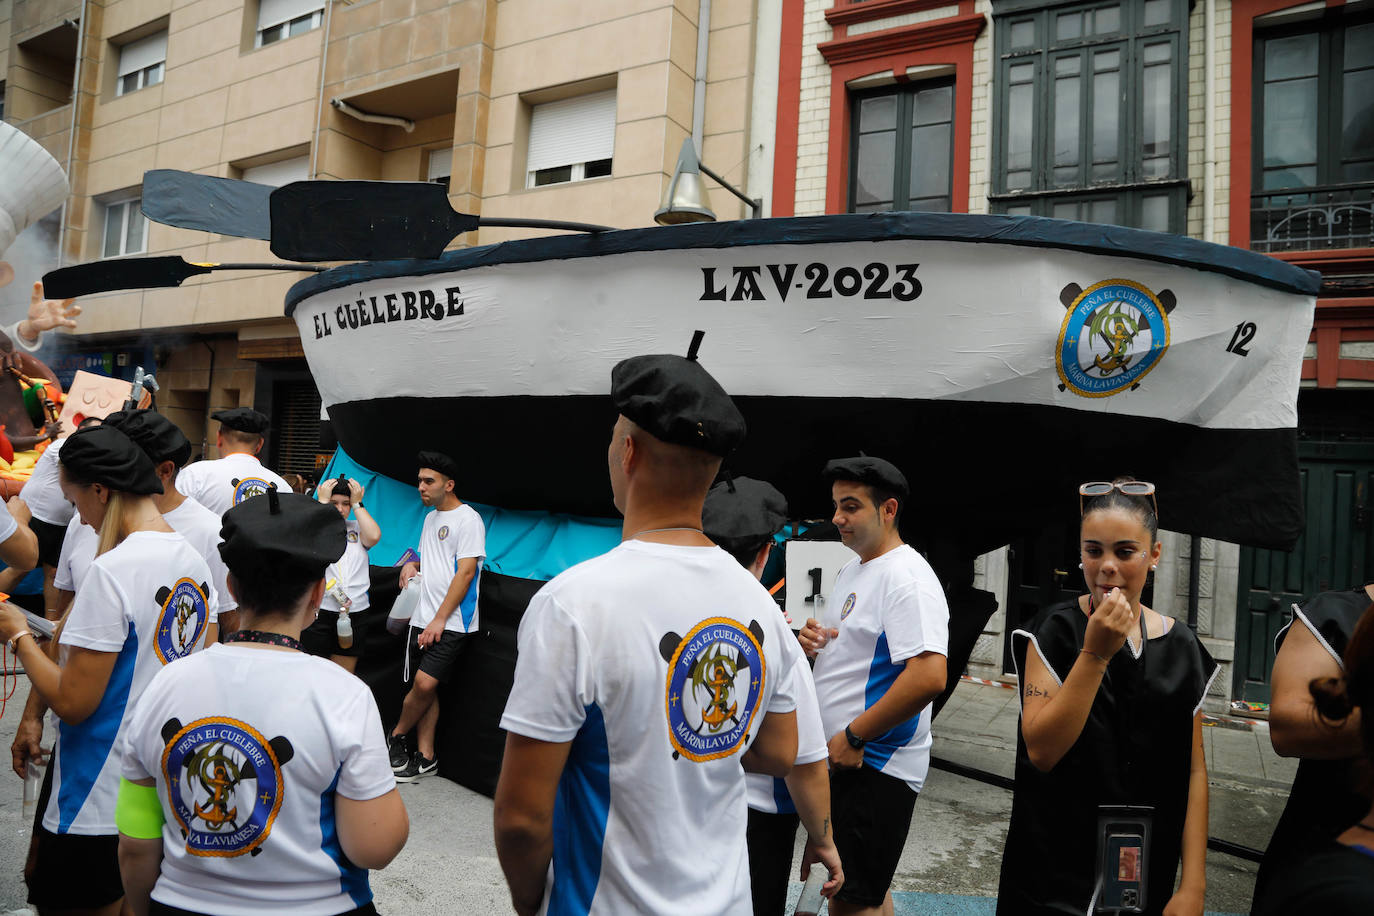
{"x":224,"y":783}
{"x":353,"y":537}
{"x":716,"y":674}
{"x":848,"y":606}
{"x":443,"y":532}
{"x":182,"y":621}
{"x":247,"y":488}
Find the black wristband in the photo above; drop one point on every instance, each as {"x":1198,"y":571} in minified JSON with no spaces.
{"x":854,"y":740}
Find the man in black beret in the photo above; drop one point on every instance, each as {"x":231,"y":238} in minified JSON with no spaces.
{"x":453,"y":543}
{"x":237,"y":474}
{"x":742,"y":515}
{"x":642,"y":677}
{"x":169,"y":450}
{"x":875,"y":677}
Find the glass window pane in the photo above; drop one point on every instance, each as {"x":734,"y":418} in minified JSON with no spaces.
{"x":878,"y":112}
{"x":875,"y":168}
{"x":133,"y":238}
{"x":930,"y":152}
{"x":300,"y":26}
{"x":1020,"y":106}
{"x":1158,"y":54}
{"x":1066,"y":121}
{"x":1357,"y":121}
{"x":1286,"y":58}
{"x":1018,"y":210}
{"x":1102,"y":211}
{"x":1290,"y":177}
{"x":1154,"y":213}
{"x":153,"y":75}
{"x":1290,"y":124}
{"x":933,"y":105}
{"x":1157,"y":12}
{"x":1106,"y":60}
{"x":1107,"y":20}
{"x":1068,"y":26}
{"x":1106,"y":116}
{"x":1156,"y":116}
{"x":1065,"y":210}
{"x":1359,"y":46}
{"x":114,"y":229}
{"x":555,"y":175}
{"x":128,"y":83}
{"x":1023,"y":33}
{"x":1018,"y":181}
{"x":597,"y":168}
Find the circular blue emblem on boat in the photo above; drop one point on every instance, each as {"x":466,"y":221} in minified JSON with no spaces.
{"x":715,"y":678}
{"x":224,"y":784}
{"x":1113,"y":334}
{"x":248,"y":487}
{"x":182,"y":621}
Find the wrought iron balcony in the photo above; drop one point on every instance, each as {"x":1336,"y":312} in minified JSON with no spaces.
{"x":1309,"y":219}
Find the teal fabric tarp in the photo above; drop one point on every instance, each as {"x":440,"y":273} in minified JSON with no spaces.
{"x":527,"y":545}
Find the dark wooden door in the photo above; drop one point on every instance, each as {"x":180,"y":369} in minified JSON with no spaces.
{"x":1334,"y":552}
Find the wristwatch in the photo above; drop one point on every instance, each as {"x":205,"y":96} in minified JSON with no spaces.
{"x":854,"y":740}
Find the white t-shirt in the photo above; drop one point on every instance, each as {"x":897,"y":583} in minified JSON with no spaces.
{"x":8,"y":526}
{"x":151,"y":600}
{"x":350,"y":570}
{"x":201,"y":527}
{"x":78,"y":550}
{"x":240,"y":771}
{"x":893,"y":609}
{"x":768,"y":793}
{"x":446,"y":538}
{"x":223,"y":483}
{"x":43,"y":490}
{"x":658,"y":663}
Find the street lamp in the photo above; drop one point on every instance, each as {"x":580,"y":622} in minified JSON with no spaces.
{"x":685,"y":199}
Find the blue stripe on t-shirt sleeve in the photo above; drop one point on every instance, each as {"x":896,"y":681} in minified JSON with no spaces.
{"x":580,"y":812}
{"x":83,"y":748}
{"x":352,"y":879}
{"x":783,"y":798}
{"x":882,"y":674}
{"x":468,"y":606}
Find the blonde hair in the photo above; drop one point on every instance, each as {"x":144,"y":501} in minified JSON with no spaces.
{"x":112,"y":528}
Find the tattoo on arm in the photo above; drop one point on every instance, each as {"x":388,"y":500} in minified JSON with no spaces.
{"x":1034,"y":691}
{"x":825,"y":827}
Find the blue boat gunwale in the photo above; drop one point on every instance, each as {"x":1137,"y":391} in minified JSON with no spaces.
{"x":1030,"y":231}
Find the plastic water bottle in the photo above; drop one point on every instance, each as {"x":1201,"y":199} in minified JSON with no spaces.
{"x":33,"y":785}
{"x":809,"y":903}
{"x":398,"y":621}
{"x":344,"y":630}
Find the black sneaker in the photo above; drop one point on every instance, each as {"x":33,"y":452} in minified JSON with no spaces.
{"x":400,"y":757}
{"x":418,"y":768}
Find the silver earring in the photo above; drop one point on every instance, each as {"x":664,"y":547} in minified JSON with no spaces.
{"x":1080,"y":565}
{"x":1156,"y":566}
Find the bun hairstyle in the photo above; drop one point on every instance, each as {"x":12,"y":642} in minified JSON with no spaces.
{"x":1337,"y":697}
{"x":341,"y":488}
{"x":1141,"y":506}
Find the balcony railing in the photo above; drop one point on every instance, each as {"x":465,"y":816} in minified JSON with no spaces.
{"x":1313,"y":219}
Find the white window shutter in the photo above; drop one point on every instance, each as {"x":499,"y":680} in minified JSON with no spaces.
{"x":275,"y":12}
{"x":145,"y":52}
{"x":569,"y":131}
{"x":440,"y":163}
{"x":281,"y":172}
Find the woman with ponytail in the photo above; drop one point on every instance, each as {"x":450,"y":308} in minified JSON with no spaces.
{"x":146,"y":601}
{"x":1337,"y":877}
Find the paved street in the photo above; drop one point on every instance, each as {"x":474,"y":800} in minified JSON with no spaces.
{"x":952,"y":857}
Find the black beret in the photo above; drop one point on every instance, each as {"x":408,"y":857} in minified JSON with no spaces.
{"x":743,"y":513}
{"x":155,"y":434}
{"x":438,"y":461}
{"x":675,"y":399}
{"x":243,"y":419}
{"x":103,"y":454}
{"x":283,"y":532}
{"x":864,"y":469}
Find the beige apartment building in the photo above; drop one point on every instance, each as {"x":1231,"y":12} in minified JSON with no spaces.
{"x":522,"y":108}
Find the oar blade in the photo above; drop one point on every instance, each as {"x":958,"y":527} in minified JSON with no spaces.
{"x":223,"y":205}
{"x":116,"y":274}
{"x":363,"y":220}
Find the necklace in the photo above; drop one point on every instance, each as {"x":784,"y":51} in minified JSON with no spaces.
{"x":262,"y":636}
{"x":661,"y":530}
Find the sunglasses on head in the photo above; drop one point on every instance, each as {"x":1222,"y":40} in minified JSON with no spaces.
{"x":1095,"y":488}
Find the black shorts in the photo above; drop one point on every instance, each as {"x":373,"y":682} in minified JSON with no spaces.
{"x":322,"y":637}
{"x":771,"y":838}
{"x":871,"y":814}
{"x":50,"y":538}
{"x":59,"y":857}
{"x":156,"y":908}
{"x":440,"y":660}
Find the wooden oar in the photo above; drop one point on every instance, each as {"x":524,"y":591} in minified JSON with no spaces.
{"x":376,"y":220}
{"x":226,"y":206}
{"x":139,"y":273}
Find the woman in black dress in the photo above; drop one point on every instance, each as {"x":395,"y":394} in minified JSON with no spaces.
{"x":1111,"y":698}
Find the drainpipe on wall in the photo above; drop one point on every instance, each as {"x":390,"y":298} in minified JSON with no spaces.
{"x":699,"y":89}
{"x":319,"y":100}
{"x":80,"y":26}
{"x":1209,"y":181}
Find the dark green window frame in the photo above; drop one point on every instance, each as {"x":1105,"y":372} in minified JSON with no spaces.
{"x":905,"y":124}
{"x":1082,"y":53}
